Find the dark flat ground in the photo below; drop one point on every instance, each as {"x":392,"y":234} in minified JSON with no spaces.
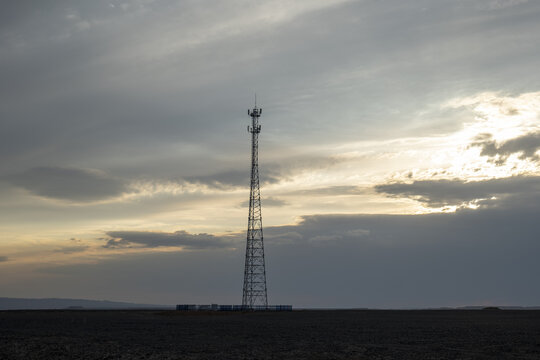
{"x":375,"y":334}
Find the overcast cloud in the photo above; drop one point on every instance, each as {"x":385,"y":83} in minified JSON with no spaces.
{"x":137,"y":80}
{"x":123,"y":126}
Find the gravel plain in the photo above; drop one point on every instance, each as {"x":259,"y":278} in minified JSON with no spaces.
{"x":308,"y":334}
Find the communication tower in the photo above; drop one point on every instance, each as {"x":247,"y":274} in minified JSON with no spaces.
{"x":254,"y":294}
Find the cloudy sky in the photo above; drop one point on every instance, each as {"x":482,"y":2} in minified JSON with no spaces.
{"x":399,"y":153}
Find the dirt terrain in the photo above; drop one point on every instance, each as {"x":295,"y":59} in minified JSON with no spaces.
{"x":375,"y":334}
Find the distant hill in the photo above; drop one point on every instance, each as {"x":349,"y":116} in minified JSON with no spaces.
{"x":52,"y":303}
{"x":499,"y":307}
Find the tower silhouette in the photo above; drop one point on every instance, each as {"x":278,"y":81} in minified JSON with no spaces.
{"x":254,"y":292}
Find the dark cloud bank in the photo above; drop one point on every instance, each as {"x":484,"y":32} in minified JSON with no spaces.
{"x":79,"y":185}
{"x":526,"y":146}
{"x":273,"y":172}
{"x":267,"y":202}
{"x":151,"y":239}
{"x":437,"y":193}
{"x":89,"y":185}
{"x":232,"y":179}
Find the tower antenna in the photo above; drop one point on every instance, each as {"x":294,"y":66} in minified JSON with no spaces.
{"x":254,"y":292}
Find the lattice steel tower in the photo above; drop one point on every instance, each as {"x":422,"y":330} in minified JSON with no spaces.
{"x":254,"y":293}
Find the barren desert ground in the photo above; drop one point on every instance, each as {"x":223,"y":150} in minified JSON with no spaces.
{"x":333,"y":334}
